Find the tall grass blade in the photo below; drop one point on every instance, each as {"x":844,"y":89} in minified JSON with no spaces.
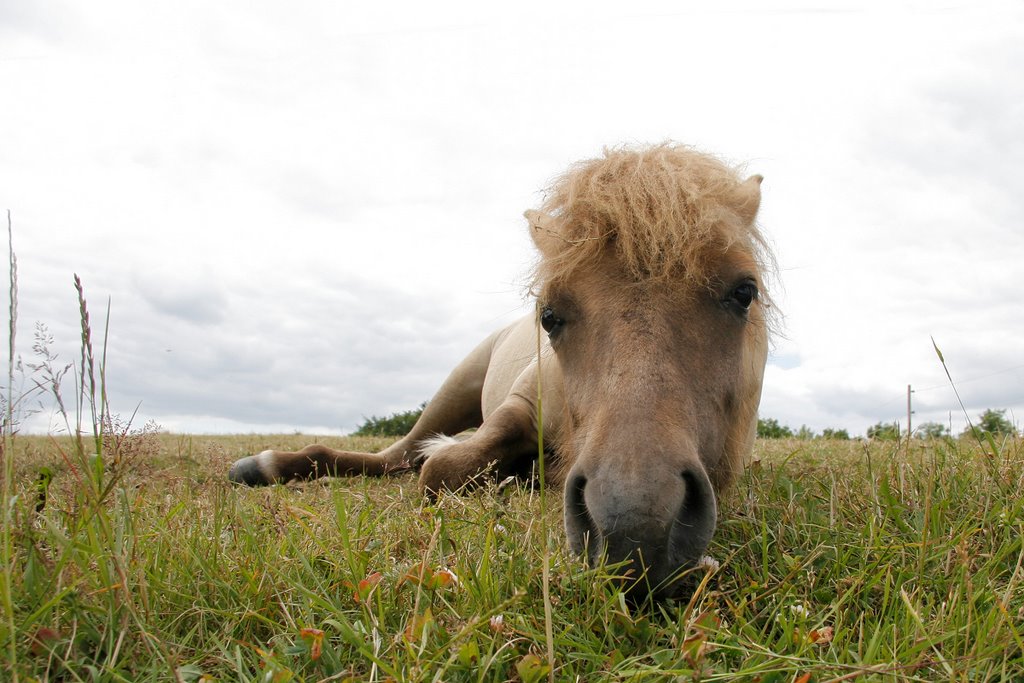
{"x":89,"y":381}
{"x":546,"y":567}
{"x":970,"y":425}
{"x":953,"y":385}
{"x":8,"y":458}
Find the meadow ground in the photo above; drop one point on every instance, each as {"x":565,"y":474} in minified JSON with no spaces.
{"x":838,"y":561}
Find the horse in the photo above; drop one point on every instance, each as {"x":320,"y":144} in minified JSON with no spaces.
{"x":642,"y":366}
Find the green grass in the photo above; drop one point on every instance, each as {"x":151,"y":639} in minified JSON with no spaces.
{"x":839,"y":561}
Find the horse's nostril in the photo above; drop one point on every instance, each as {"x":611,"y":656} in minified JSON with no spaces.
{"x":698,"y":515}
{"x":574,"y":497}
{"x":582,"y":534}
{"x":578,"y":484}
{"x":693,"y":499}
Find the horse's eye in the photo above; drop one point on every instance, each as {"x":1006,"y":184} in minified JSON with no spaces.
{"x":549,"y":321}
{"x":744,"y":295}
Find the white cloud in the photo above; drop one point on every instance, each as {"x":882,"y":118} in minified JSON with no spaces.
{"x":305,"y":216}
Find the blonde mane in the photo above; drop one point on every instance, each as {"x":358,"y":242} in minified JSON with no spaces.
{"x":666,"y":212}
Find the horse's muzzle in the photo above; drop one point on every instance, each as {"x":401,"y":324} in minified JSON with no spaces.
{"x":653,"y":531}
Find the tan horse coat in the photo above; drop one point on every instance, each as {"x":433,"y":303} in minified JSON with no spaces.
{"x":652,"y":300}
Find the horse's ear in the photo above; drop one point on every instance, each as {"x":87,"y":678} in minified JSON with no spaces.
{"x":750,"y":198}
{"x":541,"y":230}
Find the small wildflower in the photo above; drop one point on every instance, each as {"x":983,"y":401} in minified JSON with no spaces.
{"x":709,"y":563}
{"x":800,"y":610}
{"x":497,"y":623}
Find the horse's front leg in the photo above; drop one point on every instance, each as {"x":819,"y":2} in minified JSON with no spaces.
{"x":504,"y":444}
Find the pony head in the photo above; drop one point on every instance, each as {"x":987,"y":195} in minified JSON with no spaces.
{"x":651,"y":288}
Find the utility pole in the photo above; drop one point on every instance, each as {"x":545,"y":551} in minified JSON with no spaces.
{"x":910,"y":412}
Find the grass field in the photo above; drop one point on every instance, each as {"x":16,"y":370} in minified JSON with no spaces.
{"x":838,"y":561}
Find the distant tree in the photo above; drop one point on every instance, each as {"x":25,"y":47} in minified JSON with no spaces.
{"x":993,"y":422}
{"x":770,"y":428}
{"x":837,"y":434}
{"x":805,"y":433}
{"x":932,"y":430}
{"x":884,"y":431}
{"x":396,"y":424}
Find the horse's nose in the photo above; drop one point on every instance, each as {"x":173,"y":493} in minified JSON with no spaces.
{"x":654,"y":530}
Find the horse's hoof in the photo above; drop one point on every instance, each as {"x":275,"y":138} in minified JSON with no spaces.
{"x":252,"y":470}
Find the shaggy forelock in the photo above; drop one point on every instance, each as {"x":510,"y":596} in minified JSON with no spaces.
{"x":665,"y":212}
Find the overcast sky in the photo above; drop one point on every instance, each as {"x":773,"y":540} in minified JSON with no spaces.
{"x":307,"y":213}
